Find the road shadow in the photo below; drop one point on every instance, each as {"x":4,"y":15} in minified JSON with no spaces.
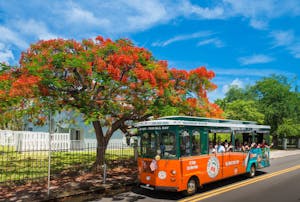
{"x":163,"y":195}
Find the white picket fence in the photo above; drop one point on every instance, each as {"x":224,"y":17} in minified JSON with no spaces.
{"x":34,"y":141}
{"x":37,"y":141}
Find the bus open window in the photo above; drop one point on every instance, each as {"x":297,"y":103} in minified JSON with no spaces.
{"x":167,"y":145}
{"x":161,"y":143}
{"x":196,"y":143}
{"x":185,"y":143}
{"x":148,"y":144}
{"x":238,"y":143}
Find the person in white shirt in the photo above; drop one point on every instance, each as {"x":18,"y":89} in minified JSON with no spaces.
{"x":212,"y":150}
{"x":221,"y":148}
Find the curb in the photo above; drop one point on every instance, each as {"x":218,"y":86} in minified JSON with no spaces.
{"x":94,"y":193}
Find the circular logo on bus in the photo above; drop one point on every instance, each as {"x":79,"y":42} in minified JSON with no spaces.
{"x":213,"y":167}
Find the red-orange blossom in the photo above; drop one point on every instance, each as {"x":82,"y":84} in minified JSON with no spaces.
{"x":114,"y":81}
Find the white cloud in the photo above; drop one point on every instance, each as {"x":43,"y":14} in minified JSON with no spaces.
{"x":255,"y":59}
{"x":202,"y":12}
{"x":261,"y":12}
{"x":283,"y":38}
{"x":287,"y":40}
{"x":224,"y":84}
{"x":249,"y":72}
{"x":6,"y":55}
{"x":295,"y":50}
{"x":236,"y":82}
{"x":8,"y":36}
{"x":34,"y":28}
{"x":214,"y":95}
{"x":258,"y":24}
{"x":78,"y":15}
{"x":147,"y":14}
{"x":117,"y":17}
{"x":183,"y":38}
{"x":216,"y":42}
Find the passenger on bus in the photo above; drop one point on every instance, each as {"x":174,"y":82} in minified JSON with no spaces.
{"x":226,"y":145}
{"x":246,"y":146}
{"x":211,"y":150}
{"x":216,"y":146}
{"x":238,"y":146}
{"x":221,"y":148}
{"x":195,"y":147}
{"x":229,"y":147}
{"x":265,"y":145}
{"x":162,"y":149}
{"x":253,"y":145}
{"x":241,"y":147}
{"x":185,"y":146}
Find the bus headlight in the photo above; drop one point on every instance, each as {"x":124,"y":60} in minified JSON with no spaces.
{"x":173,"y":172}
{"x":162,"y":175}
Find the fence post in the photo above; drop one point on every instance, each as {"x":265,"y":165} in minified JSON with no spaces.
{"x":284,"y":143}
{"x":135,"y":146}
{"x":49,"y":151}
{"x":104,"y":173}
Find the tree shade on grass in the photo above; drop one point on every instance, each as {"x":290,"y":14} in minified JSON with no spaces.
{"x":20,"y":166}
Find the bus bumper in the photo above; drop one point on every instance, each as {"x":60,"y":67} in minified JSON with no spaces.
{"x":159,"y":188}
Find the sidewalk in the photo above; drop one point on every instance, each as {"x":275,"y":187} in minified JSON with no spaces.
{"x":87,"y":186}
{"x":282,"y":153}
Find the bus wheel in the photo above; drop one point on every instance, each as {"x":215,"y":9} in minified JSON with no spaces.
{"x":252,"y":171}
{"x":191,"y":187}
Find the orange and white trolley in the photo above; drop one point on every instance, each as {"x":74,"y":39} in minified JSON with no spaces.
{"x":181,"y":153}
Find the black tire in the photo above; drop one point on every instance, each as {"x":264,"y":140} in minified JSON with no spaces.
{"x":191,"y":187}
{"x":252,"y":171}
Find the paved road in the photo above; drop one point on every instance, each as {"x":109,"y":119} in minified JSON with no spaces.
{"x":280,"y":182}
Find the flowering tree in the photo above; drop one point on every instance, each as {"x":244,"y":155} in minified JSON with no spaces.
{"x":108,"y":82}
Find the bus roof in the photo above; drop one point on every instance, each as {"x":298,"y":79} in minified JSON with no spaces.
{"x":205,"y":122}
{"x":193,"y":118}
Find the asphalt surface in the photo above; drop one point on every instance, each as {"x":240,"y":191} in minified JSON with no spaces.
{"x":284,"y":186}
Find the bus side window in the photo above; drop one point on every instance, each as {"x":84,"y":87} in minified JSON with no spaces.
{"x":167,"y":145}
{"x":185,"y":144}
{"x":196,"y":143}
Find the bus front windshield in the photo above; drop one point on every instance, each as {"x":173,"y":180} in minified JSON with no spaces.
{"x":160,"y":143}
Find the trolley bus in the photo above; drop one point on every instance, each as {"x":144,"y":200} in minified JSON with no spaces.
{"x":181,"y":153}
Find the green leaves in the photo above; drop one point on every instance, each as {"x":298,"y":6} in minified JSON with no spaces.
{"x":270,"y":101}
{"x":288,"y":129}
{"x":244,"y":110}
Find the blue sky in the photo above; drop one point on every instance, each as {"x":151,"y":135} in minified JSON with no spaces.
{"x":240,"y":40}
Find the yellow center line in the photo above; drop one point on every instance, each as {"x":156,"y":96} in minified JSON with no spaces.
{"x":237,"y":185}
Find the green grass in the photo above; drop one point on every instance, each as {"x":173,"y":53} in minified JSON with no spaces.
{"x":16,"y":166}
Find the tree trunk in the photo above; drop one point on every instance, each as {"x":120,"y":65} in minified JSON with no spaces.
{"x":101,"y":146}
{"x":275,"y":141}
{"x":102,"y":141}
